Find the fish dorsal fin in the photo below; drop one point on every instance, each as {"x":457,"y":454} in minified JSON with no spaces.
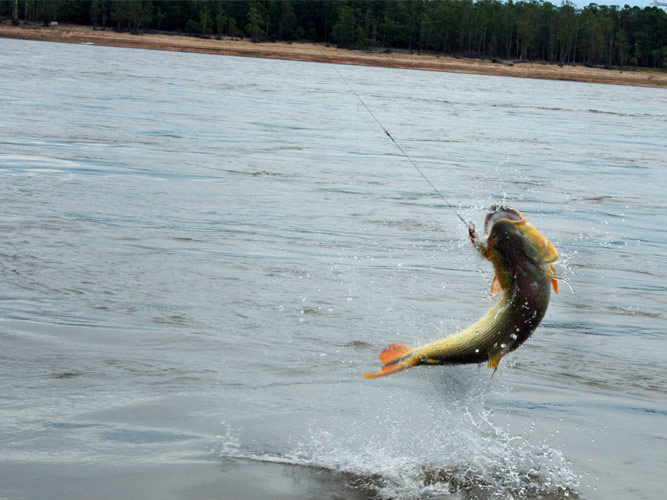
{"x":394,"y":352}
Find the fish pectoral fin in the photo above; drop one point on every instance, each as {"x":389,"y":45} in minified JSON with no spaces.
{"x":552,"y":273}
{"x":495,"y":285}
{"x":394,"y":352}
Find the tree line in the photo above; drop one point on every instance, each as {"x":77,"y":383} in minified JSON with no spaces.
{"x":533,"y":30}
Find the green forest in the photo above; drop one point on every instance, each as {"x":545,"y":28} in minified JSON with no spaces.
{"x":534,"y":30}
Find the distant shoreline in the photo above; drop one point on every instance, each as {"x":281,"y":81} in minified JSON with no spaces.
{"x":320,"y":53}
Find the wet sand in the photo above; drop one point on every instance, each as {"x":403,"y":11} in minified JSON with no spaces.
{"x":321,"y":53}
{"x":196,"y":479}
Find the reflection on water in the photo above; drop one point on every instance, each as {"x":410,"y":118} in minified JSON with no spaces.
{"x":201,"y":254}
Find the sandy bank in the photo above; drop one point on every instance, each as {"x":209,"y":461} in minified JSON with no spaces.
{"x":319,"y":53}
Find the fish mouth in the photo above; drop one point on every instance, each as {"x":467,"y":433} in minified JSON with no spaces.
{"x":535,"y":244}
{"x":497,"y":213}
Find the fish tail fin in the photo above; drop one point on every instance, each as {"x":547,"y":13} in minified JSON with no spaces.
{"x":394,"y":352}
{"x":395,"y":358}
{"x":388,"y":370}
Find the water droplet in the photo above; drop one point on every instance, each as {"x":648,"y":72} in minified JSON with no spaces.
{"x":476,"y":350}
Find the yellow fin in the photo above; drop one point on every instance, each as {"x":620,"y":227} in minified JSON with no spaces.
{"x":494,"y":359}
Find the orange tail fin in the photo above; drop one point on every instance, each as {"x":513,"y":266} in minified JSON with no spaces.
{"x":393,"y":352}
{"x":390,"y":357}
{"x":388,"y":370}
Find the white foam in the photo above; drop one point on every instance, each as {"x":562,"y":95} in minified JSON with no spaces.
{"x":418,"y":448}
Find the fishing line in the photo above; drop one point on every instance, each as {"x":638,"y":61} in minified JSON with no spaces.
{"x":469,"y":225}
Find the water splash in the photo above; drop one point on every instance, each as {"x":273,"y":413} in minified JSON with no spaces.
{"x":437,"y":439}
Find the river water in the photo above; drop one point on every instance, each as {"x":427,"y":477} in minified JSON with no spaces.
{"x":201,"y":254}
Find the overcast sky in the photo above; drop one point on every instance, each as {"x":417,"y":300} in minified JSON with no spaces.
{"x":620,"y":3}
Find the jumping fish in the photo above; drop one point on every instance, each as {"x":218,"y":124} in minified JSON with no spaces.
{"x":522,"y":260}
